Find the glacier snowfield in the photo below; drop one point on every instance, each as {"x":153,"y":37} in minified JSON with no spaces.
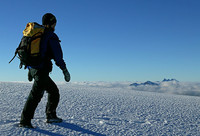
{"x":105,"y":109}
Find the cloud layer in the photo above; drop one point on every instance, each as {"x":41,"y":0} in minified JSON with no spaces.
{"x":171,"y":87}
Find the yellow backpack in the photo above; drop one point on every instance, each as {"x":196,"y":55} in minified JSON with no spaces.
{"x":28,"y":50}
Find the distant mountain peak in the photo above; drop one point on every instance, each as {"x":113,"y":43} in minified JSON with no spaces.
{"x":168,"y":80}
{"x":153,"y":83}
{"x":145,"y":83}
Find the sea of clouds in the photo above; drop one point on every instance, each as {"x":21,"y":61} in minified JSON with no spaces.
{"x":169,"y":87}
{"x":172,"y":87}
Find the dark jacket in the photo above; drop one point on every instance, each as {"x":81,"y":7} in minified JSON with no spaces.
{"x":51,"y":49}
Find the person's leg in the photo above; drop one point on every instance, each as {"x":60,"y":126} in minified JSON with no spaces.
{"x":34,"y":96}
{"x":52,"y":103}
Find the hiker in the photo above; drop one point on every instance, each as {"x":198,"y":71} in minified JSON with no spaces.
{"x":50,"y":46}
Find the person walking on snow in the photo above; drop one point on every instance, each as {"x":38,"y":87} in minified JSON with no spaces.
{"x":50,"y":46}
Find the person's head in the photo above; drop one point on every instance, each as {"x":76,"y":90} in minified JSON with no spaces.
{"x":49,"y":21}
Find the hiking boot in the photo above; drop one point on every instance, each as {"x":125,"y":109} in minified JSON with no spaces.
{"x":25,"y":125}
{"x":54,"y":120}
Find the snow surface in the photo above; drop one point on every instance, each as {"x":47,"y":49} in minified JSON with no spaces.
{"x":112,"y":109}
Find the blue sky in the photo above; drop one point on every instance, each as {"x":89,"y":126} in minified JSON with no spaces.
{"x":110,"y":40}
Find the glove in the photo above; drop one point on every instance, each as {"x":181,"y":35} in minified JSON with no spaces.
{"x":66,"y":74}
{"x":30,"y":78}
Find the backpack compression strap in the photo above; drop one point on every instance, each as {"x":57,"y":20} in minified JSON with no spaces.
{"x":15,"y":54}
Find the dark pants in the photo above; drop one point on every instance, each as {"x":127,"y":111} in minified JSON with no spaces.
{"x":42,"y":82}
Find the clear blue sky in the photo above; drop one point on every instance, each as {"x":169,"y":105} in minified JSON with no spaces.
{"x":110,"y":40}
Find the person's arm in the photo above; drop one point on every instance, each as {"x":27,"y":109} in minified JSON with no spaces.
{"x":57,"y":51}
{"x":58,"y":56}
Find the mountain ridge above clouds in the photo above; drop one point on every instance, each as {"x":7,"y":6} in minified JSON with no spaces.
{"x":154,"y":83}
{"x":168,"y":80}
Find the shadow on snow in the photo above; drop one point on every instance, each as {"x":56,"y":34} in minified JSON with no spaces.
{"x":68,"y":126}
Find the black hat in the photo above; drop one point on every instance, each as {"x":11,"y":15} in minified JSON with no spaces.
{"x":48,"y":19}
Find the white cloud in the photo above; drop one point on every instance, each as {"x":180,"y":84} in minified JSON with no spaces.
{"x":172,"y":87}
